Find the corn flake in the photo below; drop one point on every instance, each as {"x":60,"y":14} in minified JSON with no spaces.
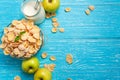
{"x":67,"y":9}
{"x":52,"y":58}
{"x":17,"y":78}
{"x":54,"y":30}
{"x":55,"y":24}
{"x":53,"y":14}
{"x":61,"y":29}
{"x":44,"y":55}
{"x":48,"y":15}
{"x":69,"y":59}
{"x":87,"y":12}
{"x":54,"y":19}
{"x":91,"y":7}
{"x":50,"y":67}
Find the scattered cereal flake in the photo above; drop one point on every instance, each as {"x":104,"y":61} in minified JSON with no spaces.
{"x":54,"y":30}
{"x":91,"y":7}
{"x":67,"y":9}
{"x":69,"y":58}
{"x":55,"y":24}
{"x":45,"y":66}
{"x":69,"y":79}
{"x":17,"y":78}
{"x":61,"y":29}
{"x":87,"y":12}
{"x":53,"y":14}
{"x":44,"y":55}
{"x":48,"y":15}
{"x":6,"y":53}
{"x":50,"y":67}
{"x":54,"y":19}
{"x":52,"y":58}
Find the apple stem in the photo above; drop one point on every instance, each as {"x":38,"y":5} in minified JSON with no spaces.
{"x":30,"y":67}
{"x":50,"y":1}
{"x":41,"y":78}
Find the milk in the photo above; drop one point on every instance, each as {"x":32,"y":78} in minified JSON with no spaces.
{"x":29,"y":11}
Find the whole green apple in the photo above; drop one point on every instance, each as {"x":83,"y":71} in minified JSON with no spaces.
{"x":42,"y":74}
{"x":30,"y":65}
{"x":51,"y":5}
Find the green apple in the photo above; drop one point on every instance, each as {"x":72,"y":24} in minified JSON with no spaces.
{"x":51,"y":5}
{"x":42,"y":74}
{"x":30,"y":65}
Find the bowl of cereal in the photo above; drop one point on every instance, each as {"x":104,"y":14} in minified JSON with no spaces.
{"x":21,"y":39}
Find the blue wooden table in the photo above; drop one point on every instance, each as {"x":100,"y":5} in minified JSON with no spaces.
{"x":94,"y":41}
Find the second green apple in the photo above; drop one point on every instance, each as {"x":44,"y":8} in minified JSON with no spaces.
{"x":51,"y":6}
{"x":30,"y":65}
{"x":43,"y":74}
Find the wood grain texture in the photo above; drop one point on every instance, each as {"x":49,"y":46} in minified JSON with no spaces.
{"x":94,"y":41}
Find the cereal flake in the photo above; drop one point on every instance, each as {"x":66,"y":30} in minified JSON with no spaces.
{"x":91,"y":7}
{"x":54,"y":30}
{"x":67,"y":9}
{"x":61,"y":29}
{"x":50,"y":67}
{"x":54,"y":19}
{"x":69,"y":58}
{"x":17,"y":78}
{"x":55,"y":24}
{"x":44,"y":55}
{"x":52,"y":58}
{"x":87,"y":12}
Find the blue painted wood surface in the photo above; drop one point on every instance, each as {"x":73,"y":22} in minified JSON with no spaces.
{"x":94,"y":41}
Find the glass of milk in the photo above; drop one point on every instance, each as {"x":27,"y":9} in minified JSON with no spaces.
{"x":30,"y":12}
